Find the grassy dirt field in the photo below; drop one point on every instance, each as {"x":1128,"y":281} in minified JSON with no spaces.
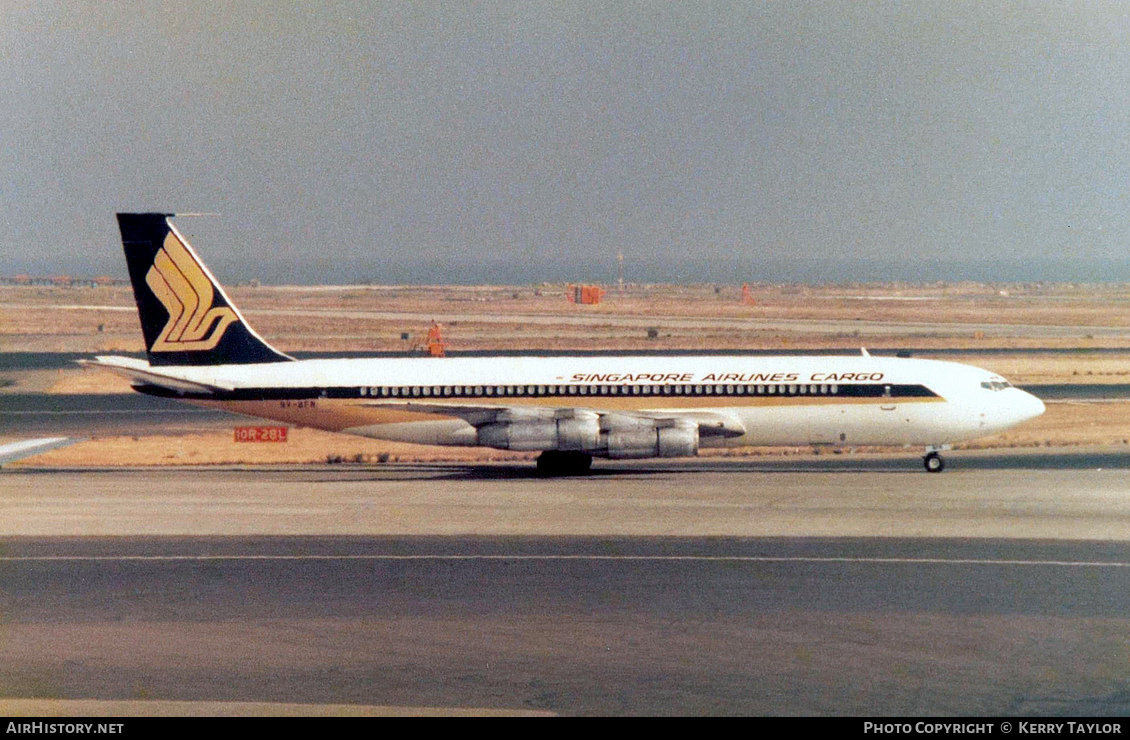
{"x":703,"y":317}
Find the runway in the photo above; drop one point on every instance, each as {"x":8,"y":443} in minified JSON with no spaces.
{"x":1060,"y":494}
{"x":819,"y":585}
{"x":658,"y":626}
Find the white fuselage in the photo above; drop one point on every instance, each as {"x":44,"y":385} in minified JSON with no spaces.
{"x":738,"y":400}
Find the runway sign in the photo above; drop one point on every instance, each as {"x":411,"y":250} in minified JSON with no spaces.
{"x":260,"y":434}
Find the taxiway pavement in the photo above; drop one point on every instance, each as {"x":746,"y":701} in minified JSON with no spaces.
{"x":810,"y":585}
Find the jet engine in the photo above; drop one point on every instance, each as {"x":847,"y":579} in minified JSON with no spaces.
{"x":531,"y":431}
{"x":651,"y":438}
{"x":610,"y":435}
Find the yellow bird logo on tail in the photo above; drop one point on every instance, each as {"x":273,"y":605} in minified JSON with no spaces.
{"x":187,"y":294}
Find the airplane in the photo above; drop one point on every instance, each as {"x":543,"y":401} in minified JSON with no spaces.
{"x":203,"y":351}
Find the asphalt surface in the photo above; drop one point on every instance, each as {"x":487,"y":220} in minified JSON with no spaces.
{"x":85,"y":415}
{"x":662,"y":626}
{"x":818,"y":585}
{"x":826,"y":585}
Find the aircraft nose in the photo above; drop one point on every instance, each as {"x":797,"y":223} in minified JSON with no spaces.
{"x":1029,"y":407}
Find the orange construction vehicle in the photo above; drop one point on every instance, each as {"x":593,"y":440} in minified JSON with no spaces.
{"x":591,"y":294}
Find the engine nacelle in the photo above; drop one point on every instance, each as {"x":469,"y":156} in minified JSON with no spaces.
{"x":664,"y":439}
{"x":525,"y":432}
{"x":614,"y":436}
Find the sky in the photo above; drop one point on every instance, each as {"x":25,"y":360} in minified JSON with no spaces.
{"x":515,"y":142}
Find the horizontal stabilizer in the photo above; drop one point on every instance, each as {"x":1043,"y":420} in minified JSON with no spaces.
{"x":141,"y":373}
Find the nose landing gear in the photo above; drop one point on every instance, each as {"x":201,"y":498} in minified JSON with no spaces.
{"x":933,"y":462}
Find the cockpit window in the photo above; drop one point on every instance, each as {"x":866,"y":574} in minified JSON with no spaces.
{"x":995,"y":385}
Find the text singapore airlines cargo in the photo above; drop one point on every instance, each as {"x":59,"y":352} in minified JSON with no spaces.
{"x":201,"y":350}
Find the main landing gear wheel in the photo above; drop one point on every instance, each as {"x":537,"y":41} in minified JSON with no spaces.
{"x":558,"y":462}
{"x":934,"y":463}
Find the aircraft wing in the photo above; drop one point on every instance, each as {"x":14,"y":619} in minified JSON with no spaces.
{"x":710,"y":424}
{"x":27,"y":447}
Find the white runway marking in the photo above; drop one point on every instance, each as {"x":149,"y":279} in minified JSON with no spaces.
{"x":623,"y":558}
{"x":67,"y":307}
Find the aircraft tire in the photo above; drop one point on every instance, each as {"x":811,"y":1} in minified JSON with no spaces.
{"x":934,"y":463}
{"x":559,"y":462}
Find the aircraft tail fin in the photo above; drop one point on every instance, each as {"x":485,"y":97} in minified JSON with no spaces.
{"x":186,"y":317}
